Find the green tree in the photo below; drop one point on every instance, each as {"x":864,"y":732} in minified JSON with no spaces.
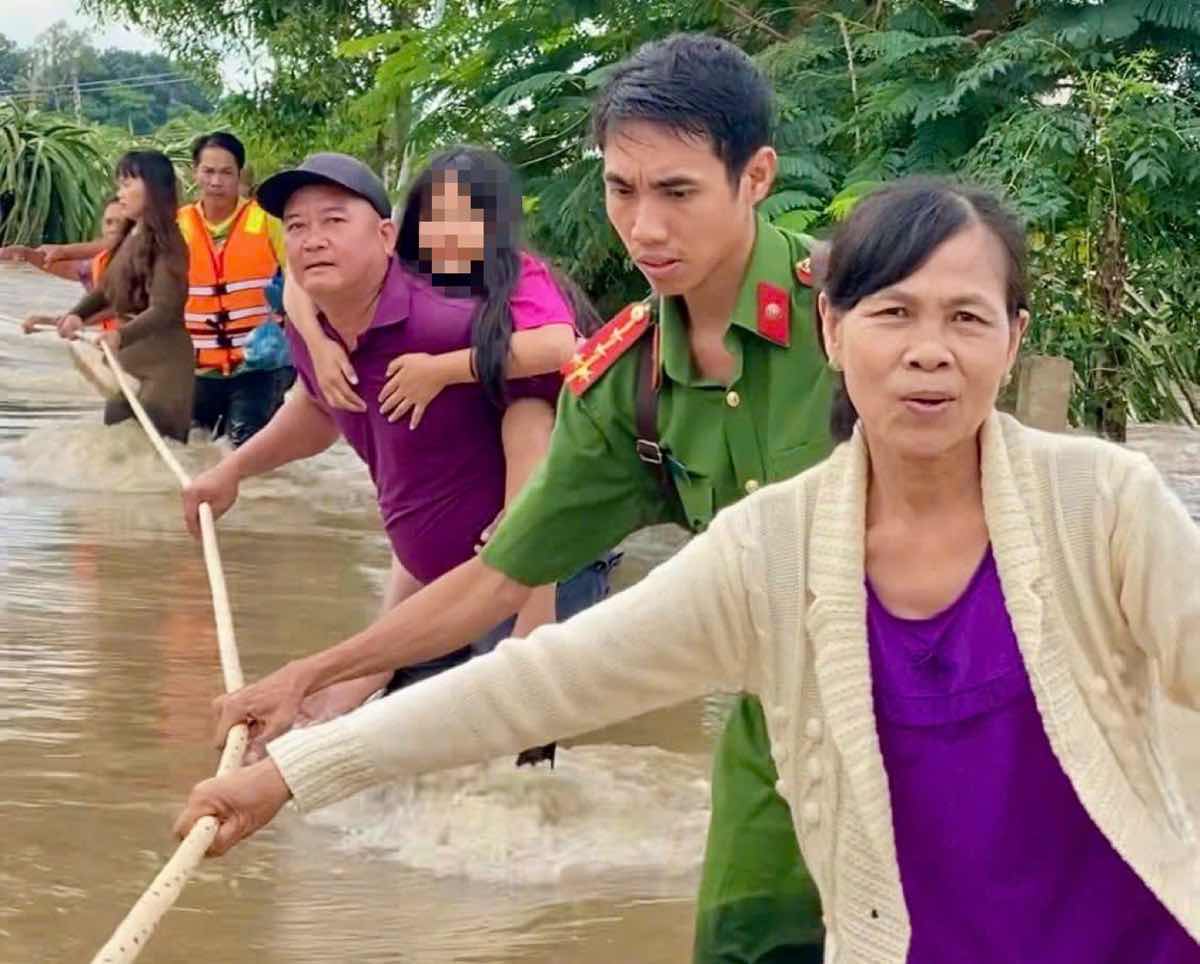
{"x":1115,"y":193}
{"x":52,"y":177}
{"x":1084,"y":113}
{"x":141,"y":91}
{"x":55,"y":63}
{"x":1083,"y":110}
{"x":14,"y":62}
{"x":520,"y":78}
{"x":63,"y":72}
{"x":303,"y":98}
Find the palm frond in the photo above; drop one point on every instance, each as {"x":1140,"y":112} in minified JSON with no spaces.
{"x":52,"y":174}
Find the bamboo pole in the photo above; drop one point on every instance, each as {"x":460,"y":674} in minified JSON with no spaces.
{"x":135,"y":930}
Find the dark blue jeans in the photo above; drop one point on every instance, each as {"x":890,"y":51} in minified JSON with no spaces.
{"x":240,"y":405}
{"x":586,"y":588}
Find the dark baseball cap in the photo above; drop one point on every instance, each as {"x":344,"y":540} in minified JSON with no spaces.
{"x":340,"y":170}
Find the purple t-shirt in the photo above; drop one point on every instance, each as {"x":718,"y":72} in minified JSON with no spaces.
{"x":441,"y":484}
{"x":999,"y":861}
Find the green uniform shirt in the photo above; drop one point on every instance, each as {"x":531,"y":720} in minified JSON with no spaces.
{"x":769,"y":423}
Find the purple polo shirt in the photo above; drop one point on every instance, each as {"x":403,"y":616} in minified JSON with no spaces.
{"x":999,"y":861}
{"x":439,"y":485}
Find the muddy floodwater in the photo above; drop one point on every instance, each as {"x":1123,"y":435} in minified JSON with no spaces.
{"x":108,"y":664}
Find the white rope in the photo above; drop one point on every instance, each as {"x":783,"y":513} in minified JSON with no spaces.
{"x":134,"y":931}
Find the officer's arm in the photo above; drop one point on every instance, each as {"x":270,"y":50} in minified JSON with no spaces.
{"x":462,"y":605}
{"x":686,"y":629}
{"x":590,"y":493}
{"x":587,"y":495}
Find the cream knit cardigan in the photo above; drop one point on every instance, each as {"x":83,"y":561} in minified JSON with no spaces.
{"x":1100,"y":567}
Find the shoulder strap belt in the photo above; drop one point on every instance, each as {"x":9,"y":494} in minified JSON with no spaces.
{"x":646,"y":416}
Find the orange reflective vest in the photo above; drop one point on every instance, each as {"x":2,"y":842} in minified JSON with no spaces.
{"x":99,"y":263}
{"x":226,"y":287}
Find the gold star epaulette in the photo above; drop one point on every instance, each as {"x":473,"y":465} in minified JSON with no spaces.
{"x":597,"y":355}
{"x":804,"y":272}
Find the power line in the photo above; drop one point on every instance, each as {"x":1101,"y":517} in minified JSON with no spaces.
{"x":171,"y":76}
{"x":109,"y":81}
{"x":99,"y":82}
{"x":40,"y":94}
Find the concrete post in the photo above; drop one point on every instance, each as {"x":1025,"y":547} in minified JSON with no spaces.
{"x":1040,"y":392}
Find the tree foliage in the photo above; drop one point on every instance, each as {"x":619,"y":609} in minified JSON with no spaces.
{"x":53,"y":177}
{"x":136,"y":91}
{"x":1084,"y":111}
{"x":301,"y":94}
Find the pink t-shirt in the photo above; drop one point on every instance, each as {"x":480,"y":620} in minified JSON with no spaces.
{"x":440,"y":484}
{"x":537,"y":300}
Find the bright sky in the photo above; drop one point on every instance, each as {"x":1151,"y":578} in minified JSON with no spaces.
{"x":36,"y":16}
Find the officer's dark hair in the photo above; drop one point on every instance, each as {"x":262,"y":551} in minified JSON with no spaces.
{"x":223,"y":140}
{"x":495,"y":192}
{"x":695,"y":85}
{"x":892,"y":233}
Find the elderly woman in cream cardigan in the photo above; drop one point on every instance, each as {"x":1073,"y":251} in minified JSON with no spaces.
{"x":958,"y":626}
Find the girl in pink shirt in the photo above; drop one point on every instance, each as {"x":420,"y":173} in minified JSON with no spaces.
{"x":471,"y":278}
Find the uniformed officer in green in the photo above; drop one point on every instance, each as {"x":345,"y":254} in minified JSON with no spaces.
{"x":683,"y":404}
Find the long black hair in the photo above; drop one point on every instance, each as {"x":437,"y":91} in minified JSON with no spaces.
{"x":891,"y":233}
{"x":493,"y":189}
{"x":157,"y":236}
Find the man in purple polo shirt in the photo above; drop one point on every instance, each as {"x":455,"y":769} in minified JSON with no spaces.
{"x":439,"y":484}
